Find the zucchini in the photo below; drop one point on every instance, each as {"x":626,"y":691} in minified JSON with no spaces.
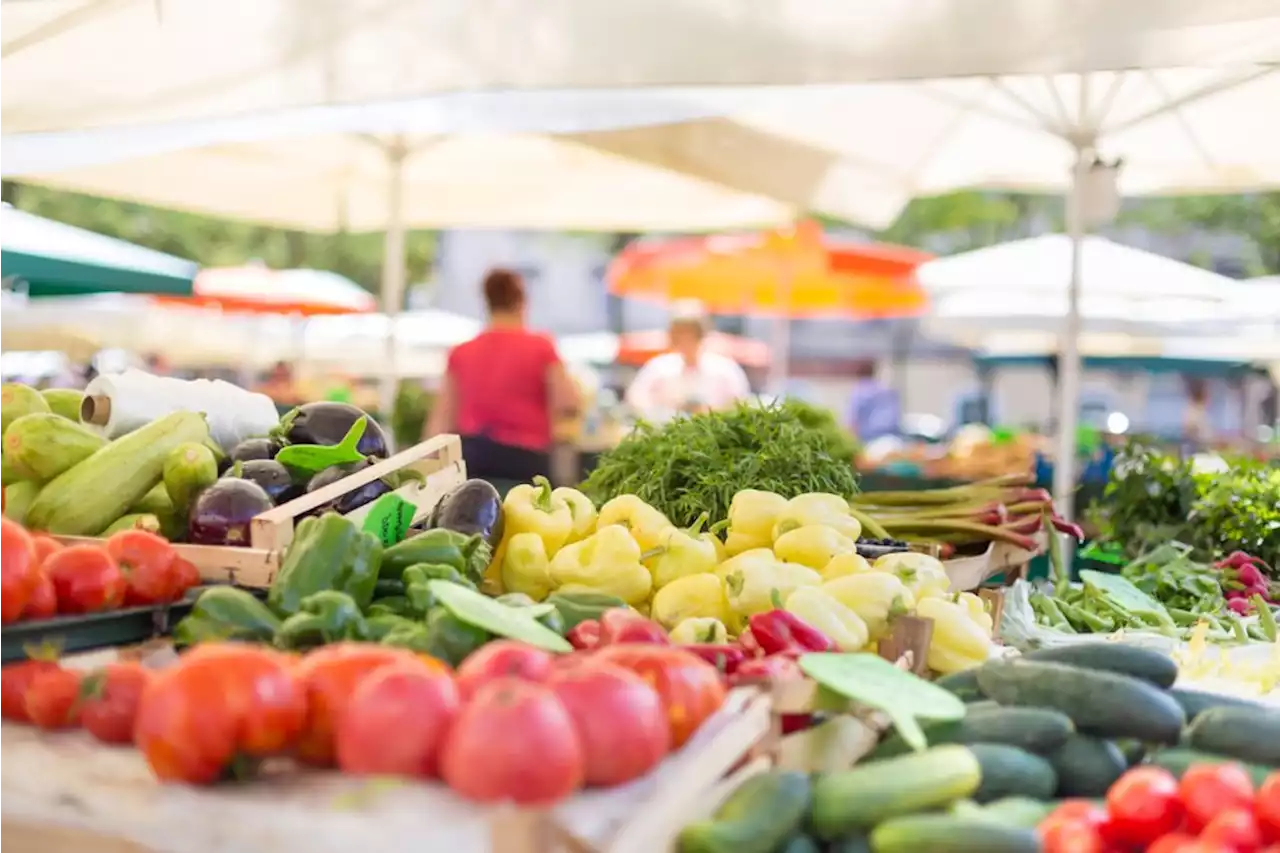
{"x":42,"y":445}
{"x":155,"y":502}
{"x":1007,"y":770}
{"x":759,"y":816}
{"x":64,"y":402}
{"x":1021,"y":812}
{"x":933,"y":833}
{"x":188,"y":469}
{"x":18,"y":498}
{"x":17,"y":400}
{"x":1196,"y":702}
{"x":1086,"y":766}
{"x":1099,"y":703}
{"x":858,"y":799}
{"x":963,"y":684}
{"x":1033,"y":729}
{"x":135,"y":521}
{"x":86,"y":498}
{"x":1176,"y":760}
{"x":1120,"y":658}
{"x":1245,"y":734}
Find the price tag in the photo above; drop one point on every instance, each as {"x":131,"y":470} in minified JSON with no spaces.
{"x":389,"y":518}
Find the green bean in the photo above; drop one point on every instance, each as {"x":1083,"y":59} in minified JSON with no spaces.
{"x":1266,"y":619}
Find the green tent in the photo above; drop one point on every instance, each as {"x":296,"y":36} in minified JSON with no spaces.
{"x":49,"y":258}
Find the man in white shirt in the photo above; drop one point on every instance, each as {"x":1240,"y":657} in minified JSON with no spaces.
{"x":688,"y":378}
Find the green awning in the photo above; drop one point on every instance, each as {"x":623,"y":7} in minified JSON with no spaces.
{"x":49,"y":258}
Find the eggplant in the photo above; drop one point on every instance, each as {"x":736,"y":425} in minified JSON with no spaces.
{"x":354,"y":499}
{"x":221,"y":513}
{"x":470,"y":507}
{"x":328,"y":423}
{"x":273,"y":477}
{"x":255,"y":448}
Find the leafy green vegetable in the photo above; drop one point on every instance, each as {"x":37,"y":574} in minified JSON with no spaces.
{"x":696,"y":464}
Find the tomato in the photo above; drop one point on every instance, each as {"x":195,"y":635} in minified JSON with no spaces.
{"x":1144,"y":805}
{"x":1174,"y":842}
{"x":220,"y":703}
{"x":513,"y":741}
{"x":396,"y":722}
{"x":1208,"y":789}
{"x":86,"y":579}
{"x":1266,"y":808}
{"x":111,"y":701}
{"x":45,"y":547}
{"x":690,"y":688}
{"x":188,"y":576}
{"x":501,"y":659}
{"x":1235,"y":828}
{"x":1070,"y":835}
{"x":1085,"y":811}
{"x":18,"y":576}
{"x":329,"y":676}
{"x":146,"y":560}
{"x":15,"y":679}
{"x":619,"y":719}
{"x":53,"y":699}
{"x":43,"y":603}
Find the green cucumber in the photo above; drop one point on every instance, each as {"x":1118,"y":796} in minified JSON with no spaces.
{"x":1099,"y":703}
{"x":858,"y":799}
{"x":1033,"y":729}
{"x":963,"y":684}
{"x":756,"y":818}
{"x":1176,"y":760}
{"x":1245,"y":734}
{"x":1120,"y":658}
{"x":1023,"y":812}
{"x":1132,"y":750}
{"x":1009,"y":771}
{"x":933,"y":833}
{"x":1196,"y":702}
{"x":1086,"y":766}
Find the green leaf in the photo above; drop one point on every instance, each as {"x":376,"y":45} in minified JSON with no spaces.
{"x":514,"y":623}
{"x":389,"y":518}
{"x":314,"y":458}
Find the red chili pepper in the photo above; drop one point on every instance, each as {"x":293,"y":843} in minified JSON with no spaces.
{"x":749,"y":644}
{"x":779,"y":631}
{"x":1061,"y":525}
{"x":726,"y":658}
{"x":620,"y":625}
{"x":585,"y":635}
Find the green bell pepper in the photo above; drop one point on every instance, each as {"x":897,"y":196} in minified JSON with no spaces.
{"x":410,"y":635}
{"x":576,"y":607}
{"x":226,"y":613}
{"x":396,"y":605}
{"x":378,"y":627}
{"x":387,"y":589}
{"x":325,"y":617}
{"x":417,"y":589}
{"x":328,"y":553}
{"x":451,"y":639}
{"x":551,"y":617}
{"x":444,"y":547}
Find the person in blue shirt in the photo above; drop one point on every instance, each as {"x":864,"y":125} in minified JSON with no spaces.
{"x":874,"y":407}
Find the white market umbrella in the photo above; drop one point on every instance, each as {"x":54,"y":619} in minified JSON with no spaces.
{"x":358,"y":343}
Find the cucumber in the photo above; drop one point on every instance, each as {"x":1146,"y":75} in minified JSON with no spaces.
{"x":1021,"y":812}
{"x":64,"y":402}
{"x":1176,"y":760}
{"x":136,"y":521}
{"x":17,"y":500}
{"x":1086,"y":766}
{"x":1099,"y":703}
{"x":1120,"y":658}
{"x":963,"y":684}
{"x":188,"y":469}
{"x":86,"y":498}
{"x":1245,"y":734}
{"x":933,"y":833}
{"x":1033,"y":729}
{"x":858,"y":799}
{"x":761,"y":814}
{"x":1132,"y":750}
{"x":1007,"y":770}
{"x":1196,"y":702}
{"x":42,"y":445}
{"x":17,"y":400}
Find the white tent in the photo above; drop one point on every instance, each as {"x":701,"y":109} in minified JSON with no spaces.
{"x":358,"y":343}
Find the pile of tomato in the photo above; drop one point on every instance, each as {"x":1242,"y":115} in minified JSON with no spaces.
{"x":1213,"y":808}
{"x":42,"y":578}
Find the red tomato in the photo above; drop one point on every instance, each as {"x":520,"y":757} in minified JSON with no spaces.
{"x":1236,"y":829}
{"x":15,"y":679}
{"x":1267,"y":808}
{"x":690,"y":688}
{"x":619,"y":719}
{"x":18,"y":577}
{"x":502,"y":659}
{"x":111,"y":701}
{"x":1174,"y":842}
{"x":43,"y":603}
{"x":188,"y":575}
{"x":1144,"y":805}
{"x":1206,"y":790}
{"x":396,"y":722}
{"x":514,"y":741}
{"x":53,"y":699}
{"x":146,"y":560}
{"x":329,"y":676}
{"x":1070,"y":835}
{"x":86,"y":579}
{"x":1086,"y":811}
{"x":45,"y":547}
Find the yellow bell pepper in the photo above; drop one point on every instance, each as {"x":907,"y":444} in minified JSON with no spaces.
{"x":646,"y":524}
{"x":958,"y":642}
{"x":752,"y":514}
{"x":756,"y":581}
{"x":817,"y":508}
{"x":525,"y":566}
{"x":977,"y":610}
{"x":877,"y":597}
{"x":582,"y":510}
{"x":699,"y":630}
{"x":843,"y":565}
{"x":693,"y":596}
{"x":823,"y":611}
{"x":925,"y":576}
{"x":683,"y":552}
{"x":607,"y":561}
{"x":535,"y":509}
{"x":813,"y":545}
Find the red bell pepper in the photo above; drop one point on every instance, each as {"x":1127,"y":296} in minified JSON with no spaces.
{"x":726,"y":658}
{"x":620,"y":625}
{"x":585,"y":635}
{"x":747,"y":641}
{"x":776,"y":668}
{"x":780,"y":632}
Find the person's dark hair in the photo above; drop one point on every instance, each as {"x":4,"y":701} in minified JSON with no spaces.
{"x":503,"y":290}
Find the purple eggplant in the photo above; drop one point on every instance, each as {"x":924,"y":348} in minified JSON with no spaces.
{"x":273,"y":477}
{"x":328,"y":423}
{"x":353,"y":499}
{"x":221,"y":513}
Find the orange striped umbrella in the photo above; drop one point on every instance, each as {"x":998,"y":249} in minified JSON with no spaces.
{"x":797,"y":273}
{"x":258,"y":290}
{"x":636,"y":348}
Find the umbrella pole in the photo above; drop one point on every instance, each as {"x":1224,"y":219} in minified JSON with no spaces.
{"x":393,"y":269}
{"x":1064,"y":464}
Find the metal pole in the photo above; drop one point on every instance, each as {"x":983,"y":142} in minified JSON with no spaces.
{"x":393,"y":268}
{"x":1064,"y":463}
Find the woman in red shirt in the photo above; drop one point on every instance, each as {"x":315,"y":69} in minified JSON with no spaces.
{"x":502,"y":389}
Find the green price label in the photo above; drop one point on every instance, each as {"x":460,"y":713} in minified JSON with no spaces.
{"x":389,"y":518}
